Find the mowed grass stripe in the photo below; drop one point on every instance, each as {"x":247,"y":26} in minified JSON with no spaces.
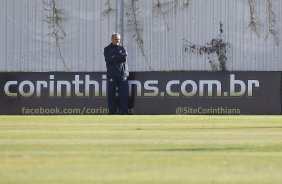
{"x":138,"y":149}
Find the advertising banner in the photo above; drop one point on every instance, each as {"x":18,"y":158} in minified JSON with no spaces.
{"x":281,"y":93}
{"x":85,"y":93}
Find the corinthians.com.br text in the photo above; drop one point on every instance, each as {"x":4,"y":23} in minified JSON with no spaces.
{"x":83,"y":86}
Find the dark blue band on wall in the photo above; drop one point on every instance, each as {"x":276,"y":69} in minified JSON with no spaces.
{"x":84,"y":93}
{"x":281,"y":92}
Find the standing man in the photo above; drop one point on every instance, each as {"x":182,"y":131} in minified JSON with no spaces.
{"x":117,"y":73}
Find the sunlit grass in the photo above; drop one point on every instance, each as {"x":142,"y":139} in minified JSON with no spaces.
{"x":140,"y":149}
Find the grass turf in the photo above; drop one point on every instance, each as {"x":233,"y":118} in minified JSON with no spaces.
{"x":140,"y":149}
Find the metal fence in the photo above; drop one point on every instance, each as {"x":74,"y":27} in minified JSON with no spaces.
{"x":160,"y":35}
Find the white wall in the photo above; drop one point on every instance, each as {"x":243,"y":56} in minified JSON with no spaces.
{"x":26,"y":46}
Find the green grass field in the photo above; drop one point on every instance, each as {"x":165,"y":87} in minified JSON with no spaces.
{"x":140,"y":149}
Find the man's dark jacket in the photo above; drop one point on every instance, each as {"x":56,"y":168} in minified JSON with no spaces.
{"x":115,"y":57}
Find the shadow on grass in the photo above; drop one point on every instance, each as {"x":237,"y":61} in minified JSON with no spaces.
{"x":226,"y":128}
{"x":196,"y":149}
{"x":205,"y":128}
{"x":228,"y":149}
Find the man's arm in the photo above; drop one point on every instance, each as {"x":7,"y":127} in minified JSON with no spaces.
{"x":110,"y":58}
{"x":113,"y":59}
{"x":122,"y":56}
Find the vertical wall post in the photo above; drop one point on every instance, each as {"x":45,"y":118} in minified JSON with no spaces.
{"x":119,"y":17}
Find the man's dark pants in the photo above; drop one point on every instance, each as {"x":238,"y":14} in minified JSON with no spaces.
{"x":122,"y":84}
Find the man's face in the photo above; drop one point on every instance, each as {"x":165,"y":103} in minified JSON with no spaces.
{"x":116,"y":40}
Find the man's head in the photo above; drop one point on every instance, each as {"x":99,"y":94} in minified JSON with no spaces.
{"x":116,"y":39}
